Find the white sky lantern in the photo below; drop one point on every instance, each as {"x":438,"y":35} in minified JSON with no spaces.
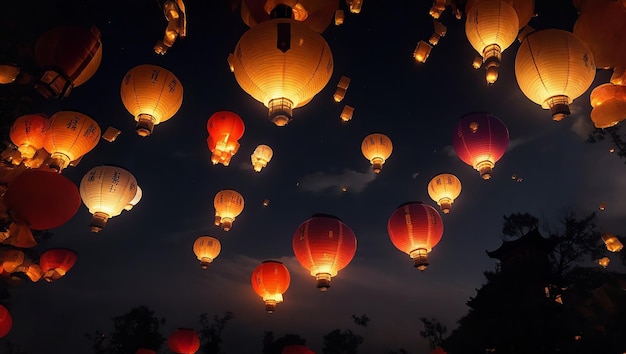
{"x":261,"y":156}
{"x":106,"y":191}
{"x":135,"y":200}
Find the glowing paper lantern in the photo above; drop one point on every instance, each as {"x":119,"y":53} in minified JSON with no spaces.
{"x":184,"y":341}
{"x":106,"y":191}
{"x":28,"y":133}
{"x":8,"y":73}
{"x":346,"y":113}
{"x":439,"y":30}
{"x":11,"y":259}
{"x":342,"y":87}
{"x":317,"y":14}
{"x":480,"y":140}
{"x":224,"y":128}
{"x":283,"y":64}
{"x":206,"y":248}
{"x":152,"y":95}
{"x":6,"y":321}
{"x":69,"y":136}
{"x":415,"y":228}
{"x":604,"y":262}
{"x":324,"y":245}
{"x":135,"y":199}
{"x":228,"y":205}
{"x":525,"y":9}
{"x":377,"y":148}
{"x":443,"y":189}
{"x":261,"y":156}
{"x":56,"y":262}
{"x":611,"y":242}
{"x":270,"y":280}
{"x":422,"y":51}
{"x":553,"y":67}
{"x":339,"y":17}
{"x":41,"y":199}
{"x":609,"y":105}
{"x":296,"y":349}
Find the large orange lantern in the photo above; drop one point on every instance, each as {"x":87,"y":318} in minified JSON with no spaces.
{"x":225,"y":129}
{"x":228,"y":205}
{"x":444,"y":189}
{"x":6,"y":322}
{"x":415,"y":228}
{"x":480,"y":140}
{"x":28,"y":133}
{"x":261,"y":157}
{"x":553,"y":67}
{"x":68,"y":56}
{"x":106,"y":191}
{"x":317,"y":14}
{"x":324,"y":245}
{"x":206,"y":248}
{"x":184,"y":341}
{"x":282,"y":63}
{"x":296,"y":349}
{"x":152,"y":95}
{"x":609,"y":105}
{"x":270,"y":280}
{"x":56,"y":262}
{"x":377,"y":148}
{"x":41,"y":199}
{"x":69,"y":136}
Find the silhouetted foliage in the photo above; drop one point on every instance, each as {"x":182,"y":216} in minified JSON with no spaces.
{"x":434,"y":331}
{"x":517,"y":225}
{"x":345,"y":342}
{"x":211,"y":332}
{"x":362,"y":320}
{"x":271,"y":346}
{"x":11,"y":348}
{"x":613,"y":136}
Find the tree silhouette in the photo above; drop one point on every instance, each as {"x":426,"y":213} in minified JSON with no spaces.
{"x":517,"y":225}
{"x":613,"y":136}
{"x":434,"y":331}
{"x":272,"y":346}
{"x":345,"y":342}
{"x":211,"y":332}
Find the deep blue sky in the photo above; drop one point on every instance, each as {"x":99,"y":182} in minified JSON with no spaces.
{"x":144,"y":257}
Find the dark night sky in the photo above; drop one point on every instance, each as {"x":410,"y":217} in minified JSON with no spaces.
{"x":144,"y":257}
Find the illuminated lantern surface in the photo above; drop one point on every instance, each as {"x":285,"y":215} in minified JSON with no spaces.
{"x":609,"y":105}
{"x":346,"y":113}
{"x":480,"y":140}
{"x":106,"y":191}
{"x":438,"y":350}
{"x":206,"y":248}
{"x":184,"y":341}
{"x":553,"y":67}
{"x":525,"y":9}
{"x":261,"y":157}
{"x":68,"y":56}
{"x":69,"y":136}
{"x":422,"y":51}
{"x":6,"y":322}
{"x":491,"y":26}
{"x":296,"y":349}
{"x":135,"y":199}
{"x":376,"y":148}
{"x":41,"y":199}
{"x":415,"y":228}
{"x":443,"y":189}
{"x":56,"y":262}
{"x":224,"y":128}
{"x":324,"y":245}
{"x":145,"y":351}
{"x":283,"y":64}
{"x":11,"y":259}
{"x":317,"y":14}
{"x":604,"y":262}
{"x":270,"y":280}
{"x":8,"y":73}
{"x":228,"y":205}
{"x":32,"y":271}
{"x":611,"y":242}
{"x":152,"y":95}
{"x":28,"y":133}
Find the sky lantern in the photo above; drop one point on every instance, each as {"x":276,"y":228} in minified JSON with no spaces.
{"x":282,"y":63}
{"x":261,"y":157}
{"x":32,"y":270}
{"x":324,"y":245}
{"x":206,"y":248}
{"x":11,"y":259}
{"x":41,"y":199}
{"x":228,"y":205}
{"x":422,"y":51}
{"x":152,"y":95}
{"x":377,"y":148}
{"x":443,"y":189}
{"x":225,"y":129}
{"x":135,"y":200}
{"x":491,"y":26}
{"x":6,"y":322}
{"x":317,"y":14}
{"x":106,"y":191}
{"x":604,"y":262}
{"x":415,"y":228}
{"x":56,"y":262}
{"x":8,"y":73}
{"x":296,"y":349}
{"x":68,"y":57}
{"x":28,"y":133}
{"x":69,"y":136}
{"x":480,"y":140}
{"x":184,"y":341}
{"x":346,"y":113}
{"x":438,"y":350}
{"x":542,"y":75}
{"x":609,"y":105}
{"x":270,"y":280}
{"x":439,"y":30}
{"x":611,"y":242}
{"x":342,"y":87}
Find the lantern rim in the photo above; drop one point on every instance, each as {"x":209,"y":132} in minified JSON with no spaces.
{"x":324,"y":215}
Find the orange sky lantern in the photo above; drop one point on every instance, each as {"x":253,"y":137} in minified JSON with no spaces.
{"x":225,"y":129}
{"x":56,"y":262}
{"x":270,"y":280}
{"x":184,"y":341}
{"x":612,"y":243}
{"x":443,"y":189}
{"x":609,"y":105}
{"x":28,"y":133}
{"x":324,"y":245}
{"x":261,"y":157}
{"x":377,"y":148}
{"x":206,"y":248}
{"x":69,"y":136}
{"x":6,"y":322}
{"x":228,"y":205}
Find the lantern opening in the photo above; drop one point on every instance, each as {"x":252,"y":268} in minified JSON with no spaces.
{"x":485,"y":168}
{"x":27,"y":151}
{"x":54,"y":274}
{"x":59,"y":161}
{"x":281,"y":11}
{"x":612,"y":243}
{"x":492,"y":55}
{"x":205,"y":262}
{"x":420,"y":257}
{"x":323,"y":281}
{"x":270,"y":306}
{"x":98,"y":221}
{"x":445,"y":204}
{"x":377,"y":164}
{"x":280,"y":111}
{"x":227,"y":223}
{"x":559,"y":106}
{"x":145,"y":125}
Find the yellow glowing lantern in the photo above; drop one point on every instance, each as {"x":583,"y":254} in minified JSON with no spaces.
{"x":422,"y":51}
{"x":604,"y":262}
{"x":69,"y":136}
{"x":152,"y":95}
{"x":443,"y":189}
{"x":339,"y":17}
{"x":206,"y":248}
{"x":439,"y":30}
{"x":355,"y":6}
{"x":609,"y":105}
{"x":266,"y":202}
{"x":612,"y":243}
{"x":619,"y":76}
{"x":261,"y":156}
{"x":8,"y":73}
{"x":135,"y":199}
{"x":282,"y":63}
{"x":346,"y":113}
{"x":553,"y":67}
{"x":477,"y":62}
{"x":106,"y":191}
{"x":228,"y":205}
{"x":602,"y":206}
{"x":342,"y":87}
{"x":376,"y":148}
{"x":439,"y":6}
{"x":11,"y":259}
{"x":28,"y":133}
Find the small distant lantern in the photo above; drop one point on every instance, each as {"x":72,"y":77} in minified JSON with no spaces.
{"x":111,"y":134}
{"x":443,"y":189}
{"x":184,"y":341}
{"x":604,"y":262}
{"x":342,"y":87}
{"x":355,"y":6}
{"x":228,"y":205}
{"x":206,"y":248}
{"x":612,"y":243}
{"x":602,"y":206}
{"x":439,"y":30}
{"x":478,"y":62}
{"x":261,"y":157}
{"x":377,"y":148}
{"x":422,"y":51}
{"x":439,"y":6}
{"x":346,"y":113}
{"x":56,"y":262}
{"x":339,"y":17}
{"x":266,"y":202}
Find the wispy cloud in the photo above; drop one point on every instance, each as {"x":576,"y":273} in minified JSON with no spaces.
{"x":582,"y":125}
{"x":320,"y":182}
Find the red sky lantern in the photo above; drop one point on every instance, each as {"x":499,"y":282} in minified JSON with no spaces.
{"x":6,"y":322}
{"x":438,"y":350}
{"x":41,"y":199}
{"x":145,"y":351}
{"x":415,"y":228}
{"x":324,"y":245}
{"x":56,"y":262}
{"x":184,"y":341}
{"x":480,"y":140}
{"x":270,"y":280}
{"x":224,"y":128}
{"x":297,"y":349}
{"x":27,"y":133}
